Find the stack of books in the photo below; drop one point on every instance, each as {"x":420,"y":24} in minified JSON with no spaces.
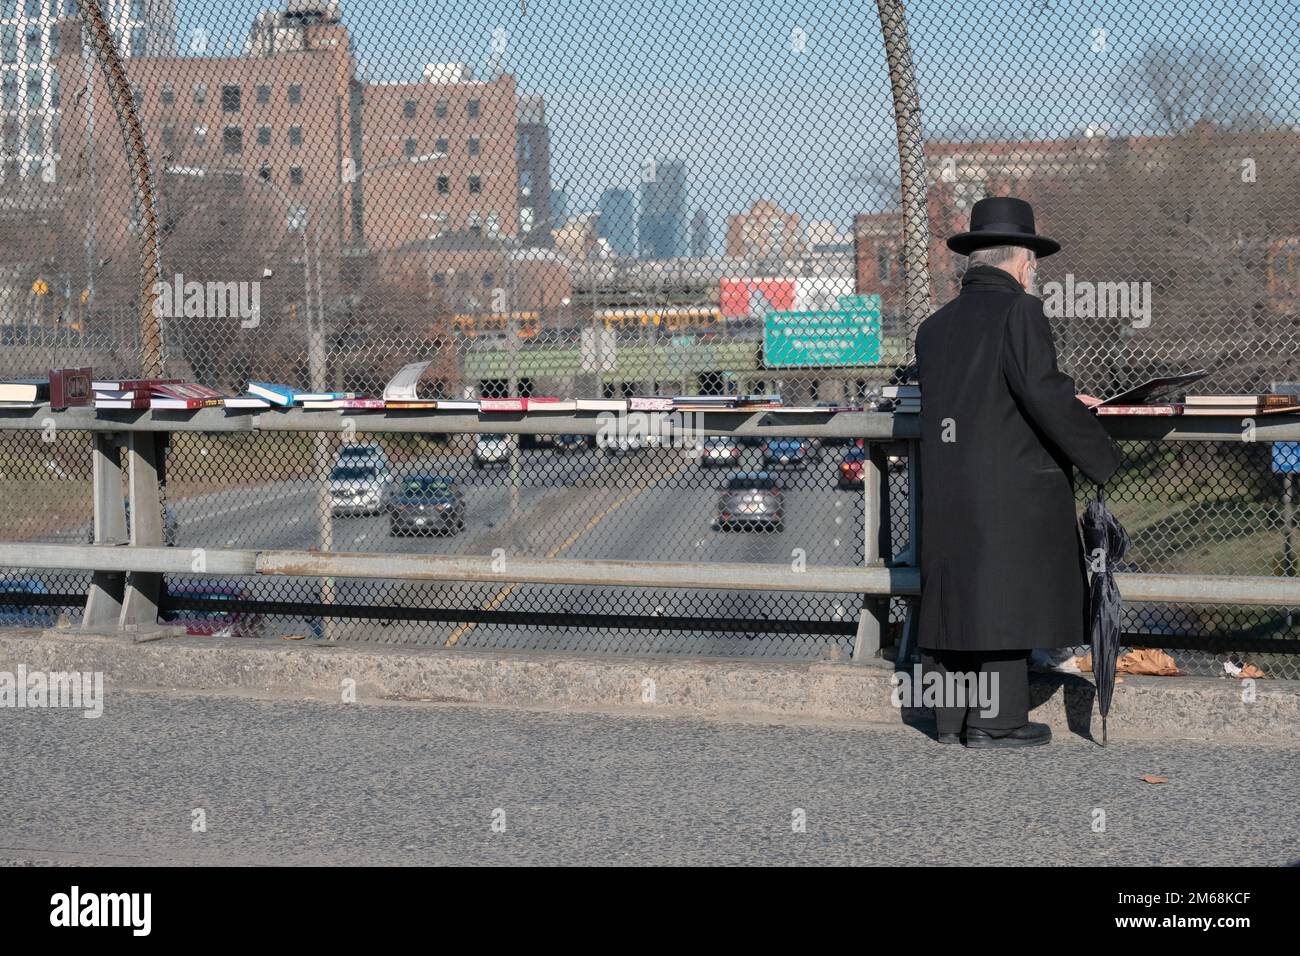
{"x":1240,"y":404}
{"x":286,"y":396}
{"x":904,"y":399}
{"x":127,"y":393}
{"x":24,"y":393}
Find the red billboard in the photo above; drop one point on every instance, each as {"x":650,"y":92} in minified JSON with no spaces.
{"x":751,"y":298}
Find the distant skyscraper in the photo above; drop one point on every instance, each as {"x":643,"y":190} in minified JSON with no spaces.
{"x":617,"y":223}
{"x":559,"y":207}
{"x":662,"y":230}
{"x":700,"y":238}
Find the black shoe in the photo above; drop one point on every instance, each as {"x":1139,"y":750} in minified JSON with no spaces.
{"x":948,"y":738}
{"x":1030,"y":735}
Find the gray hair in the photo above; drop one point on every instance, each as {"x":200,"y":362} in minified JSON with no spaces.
{"x":997,"y":255}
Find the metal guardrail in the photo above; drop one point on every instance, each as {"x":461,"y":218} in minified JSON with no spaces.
{"x":127,"y":578}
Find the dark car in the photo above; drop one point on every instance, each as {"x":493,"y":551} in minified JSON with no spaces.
{"x":750,"y":500}
{"x":427,"y":504}
{"x":25,"y":615}
{"x":213,"y":622}
{"x":568,"y":443}
{"x":720,"y":451}
{"x":792,"y":452}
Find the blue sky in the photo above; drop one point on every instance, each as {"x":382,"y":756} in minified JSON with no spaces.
{"x":789,"y":100}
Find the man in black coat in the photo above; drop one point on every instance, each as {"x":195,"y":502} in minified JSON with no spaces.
{"x":1002,"y":568}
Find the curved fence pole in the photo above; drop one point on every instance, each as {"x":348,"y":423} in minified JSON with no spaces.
{"x":911,"y":161}
{"x":128,"y":121}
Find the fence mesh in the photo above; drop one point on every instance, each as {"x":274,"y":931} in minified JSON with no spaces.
{"x":574,"y":198}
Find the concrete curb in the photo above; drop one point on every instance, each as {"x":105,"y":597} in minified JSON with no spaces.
{"x":1183,"y":707}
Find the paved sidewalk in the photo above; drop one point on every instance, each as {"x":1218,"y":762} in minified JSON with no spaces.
{"x":312,"y":782}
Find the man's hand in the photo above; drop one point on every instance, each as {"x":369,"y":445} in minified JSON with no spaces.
{"x":1090,"y":400}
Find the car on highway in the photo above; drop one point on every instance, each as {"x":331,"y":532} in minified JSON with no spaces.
{"x":568,"y":443}
{"x":359,"y":490}
{"x":750,"y":501}
{"x":720,"y":451}
{"x":851,"y":466}
{"x":427,"y":504}
{"x":25,"y":615}
{"x":213,"y":621}
{"x":493,"y":451}
{"x":785,"y":452}
{"x":366,"y":453}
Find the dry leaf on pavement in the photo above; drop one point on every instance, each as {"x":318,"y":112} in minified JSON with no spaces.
{"x":1152,"y":778}
{"x":1147,"y":661}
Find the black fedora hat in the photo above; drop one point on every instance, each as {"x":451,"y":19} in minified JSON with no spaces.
{"x":1002,"y":221}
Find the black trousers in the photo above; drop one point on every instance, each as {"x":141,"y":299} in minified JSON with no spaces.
{"x":1011,"y":669}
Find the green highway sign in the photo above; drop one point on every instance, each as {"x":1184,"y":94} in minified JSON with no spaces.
{"x":848,"y":336}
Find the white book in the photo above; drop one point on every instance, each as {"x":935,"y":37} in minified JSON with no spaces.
{"x":246,"y":401}
{"x":601,"y":404}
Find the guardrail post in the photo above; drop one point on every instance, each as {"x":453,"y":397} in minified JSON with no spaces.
{"x":873,"y":618}
{"x":912,"y":558}
{"x":143,"y":588}
{"x":104,"y":598}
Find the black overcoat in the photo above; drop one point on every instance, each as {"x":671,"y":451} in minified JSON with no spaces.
{"x":1002,"y":564}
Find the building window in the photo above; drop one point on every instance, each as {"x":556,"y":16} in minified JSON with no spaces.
{"x":55,"y":49}
{"x":10,"y":91}
{"x":525,"y":218}
{"x":408,"y":109}
{"x":472,"y":109}
{"x":525,"y":148}
{"x":440,"y":147}
{"x":440,"y":109}
{"x":139,"y":42}
{"x":295,"y":175}
{"x":200,"y":93}
{"x":9,"y":44}
{"x":263,"y":93}
{"x":230,"y":97}
{"x":525,"y":182}
{"x":56,"y":98}
{"x":488,"y":279}
{"x":440,"y":279}
{"x":137,"y":97}
{"x":444,"y":186}
{"x":34,"y":90}
{"x":169,"y":137}
{"x":475,"y":185}
{"x":138,"y":11}
{"x":232,"y":141}
{"x":33,"y":44}
{"x":168,"y":95}
{"x":475,"y":222}
{"x":409,"y":147}
{"x":295,"y":94}
{"x":264,"y":136}
{"x":32,"y":8}
{"x":200,"y":136}
{"x":475,"y":147}
{"x":264,"y":173}
{"x":295,"y":135}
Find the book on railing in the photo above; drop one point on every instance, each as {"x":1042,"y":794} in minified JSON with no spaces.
{"x":1154,"y":388}
{"x":454,"y":404}
{"x":524,"y":405}
{"x":131,"y":384}
{"x":272,"y":392}
{"x":426,"y":404}
{"x":24,"y":392}
{"x":344,"y":404}
{"x":70,"y":388}
{"x":184,"y":396}
{"x":245,"y":401}
{"x":601,"y":404}
{"x":122,"y":398}
{"x":650,"y":403}
{"x":901,"y":391}
{"x":1241,"y":404}
{"x":1153,"y":410}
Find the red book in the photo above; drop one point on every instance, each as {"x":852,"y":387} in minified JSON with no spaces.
{"x":1156,"y":410}
{"x":502,"y":404}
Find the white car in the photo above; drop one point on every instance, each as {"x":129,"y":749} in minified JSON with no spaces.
{"x":493,"y":450}
{"x":370,"y":453}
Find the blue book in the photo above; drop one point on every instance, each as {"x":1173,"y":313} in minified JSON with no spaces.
{"x":275,"y":394}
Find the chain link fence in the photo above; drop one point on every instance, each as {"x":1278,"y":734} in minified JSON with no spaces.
{"x":567,"y":198}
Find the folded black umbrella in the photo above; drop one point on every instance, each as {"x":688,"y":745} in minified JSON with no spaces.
{"x":1106,"y":542}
